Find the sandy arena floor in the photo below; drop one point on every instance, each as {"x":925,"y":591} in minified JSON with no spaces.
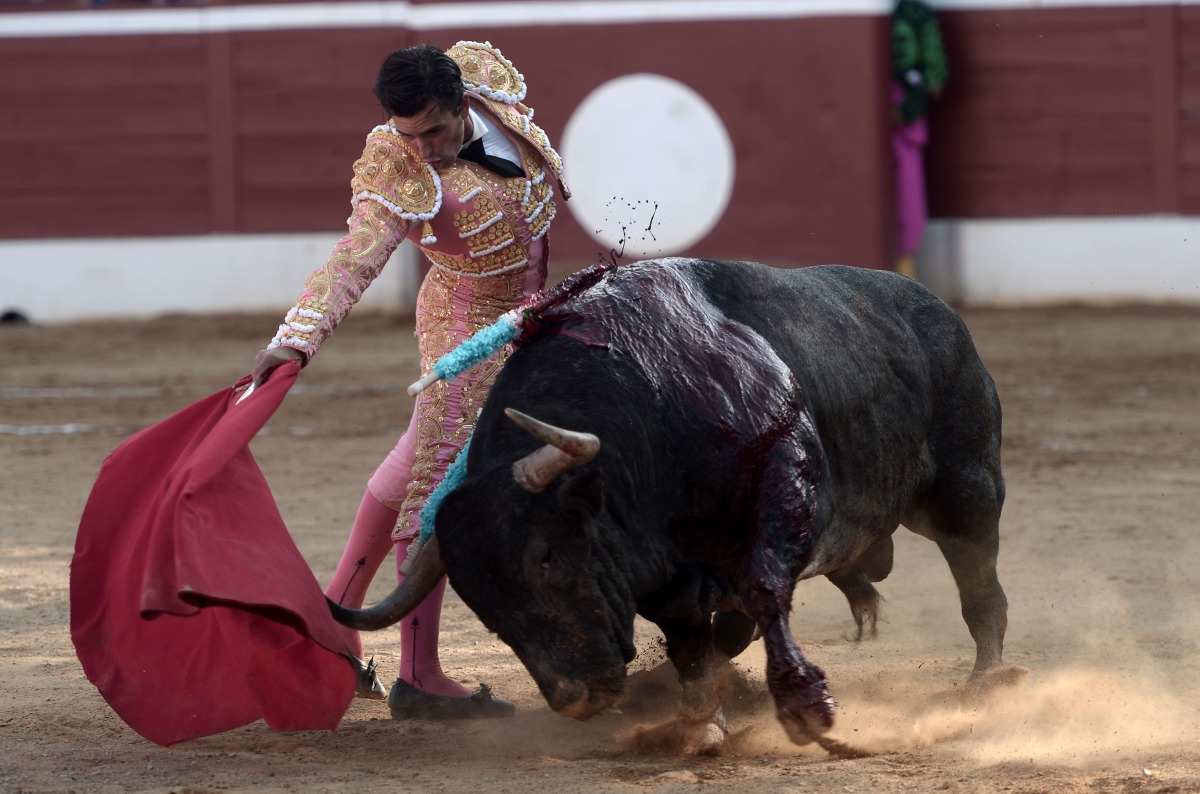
{"x":1098,"y":557}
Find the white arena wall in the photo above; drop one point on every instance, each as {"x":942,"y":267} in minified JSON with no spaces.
{"x":1004,"y":262}
{"x":55,"y":281}
{"x":1152,"y":259}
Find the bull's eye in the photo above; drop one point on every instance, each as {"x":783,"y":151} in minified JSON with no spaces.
{"x":548,"y":557}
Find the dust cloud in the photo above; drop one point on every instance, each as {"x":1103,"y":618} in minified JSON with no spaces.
{"x":1075,"y":717}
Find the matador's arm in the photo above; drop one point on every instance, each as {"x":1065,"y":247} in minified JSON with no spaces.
{"x":331,"y":290}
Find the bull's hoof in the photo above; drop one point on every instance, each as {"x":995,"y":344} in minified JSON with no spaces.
{"x":806,"y":713}
{"x":707,"y":741}
{"x":581,"y":702}
{"x":998,"y":678}
{"x":797,"y":732}
{"x":839,"y":749}
{"x":681,"y":736}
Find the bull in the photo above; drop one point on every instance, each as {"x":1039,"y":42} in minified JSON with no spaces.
{"x":690,"y":437}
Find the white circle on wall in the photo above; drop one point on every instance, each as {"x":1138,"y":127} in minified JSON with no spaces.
{"x":649,"y":164}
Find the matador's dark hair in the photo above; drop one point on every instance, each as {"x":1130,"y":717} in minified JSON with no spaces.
{"x":413,"y":77}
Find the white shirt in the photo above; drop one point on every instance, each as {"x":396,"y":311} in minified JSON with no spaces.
{"x":495,"y":142}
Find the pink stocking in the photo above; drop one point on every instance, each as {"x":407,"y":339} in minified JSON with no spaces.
{"x":368,"y":546}
{"x":419,"y":664}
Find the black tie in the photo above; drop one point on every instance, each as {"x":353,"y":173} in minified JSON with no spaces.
{"x":475,"y":153}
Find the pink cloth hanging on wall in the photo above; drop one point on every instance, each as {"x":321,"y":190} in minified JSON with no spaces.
{"x":908,"y":156}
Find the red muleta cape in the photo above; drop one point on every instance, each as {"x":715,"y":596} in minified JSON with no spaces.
{"x":192,"y":610}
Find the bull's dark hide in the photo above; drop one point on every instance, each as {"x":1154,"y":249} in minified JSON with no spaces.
{"x":758,"y":426}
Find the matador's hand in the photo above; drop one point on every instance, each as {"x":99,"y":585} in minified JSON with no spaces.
{"x":268,"y":360}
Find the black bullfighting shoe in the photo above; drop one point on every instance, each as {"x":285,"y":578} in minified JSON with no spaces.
{"x":409,"y":703}
{"x":369,"y":686}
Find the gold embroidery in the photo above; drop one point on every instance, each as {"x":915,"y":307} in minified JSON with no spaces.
{"x":435,"y":317}
{"x":391,"y":171}
{"x":510,"y":255}
{"x":462,"y":180}
{"x":500,"y":78}
{"x":500,"y":88}
{"x":488,"y":226}
{"x":432,"y":408}
{"x":332,"y":289}
{"x":447,"y":410}
{"x":494,"y":296}
{"x":485,"y":68}
{"x":487,"y":297}
{"x":414,"y":190}
{"x":539,"y":137}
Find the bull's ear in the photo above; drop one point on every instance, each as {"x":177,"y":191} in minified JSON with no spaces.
{"x":583,"y":493}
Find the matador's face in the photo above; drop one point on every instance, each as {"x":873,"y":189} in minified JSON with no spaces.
{"x":436,"y":134}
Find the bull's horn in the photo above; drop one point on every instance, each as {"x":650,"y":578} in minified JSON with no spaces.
{"x":564,"y":450}
{"x":426,"y":573}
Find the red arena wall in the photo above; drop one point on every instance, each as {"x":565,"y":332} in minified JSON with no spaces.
{"x":255,"y":131}
{"x":1068,"y":112}
{"x":1050,"y":112}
